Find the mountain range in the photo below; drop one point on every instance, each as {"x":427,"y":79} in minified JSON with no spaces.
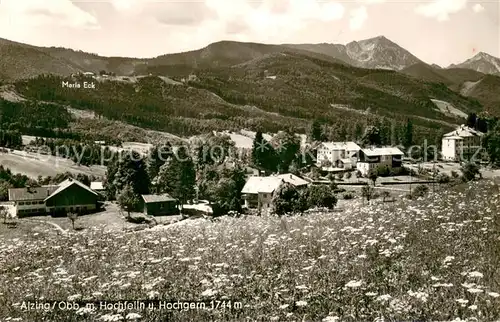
{"x":19,"y":60}
{"x":231,"y":85}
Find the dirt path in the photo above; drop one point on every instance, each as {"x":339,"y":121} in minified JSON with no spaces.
{"x":56,"y":226}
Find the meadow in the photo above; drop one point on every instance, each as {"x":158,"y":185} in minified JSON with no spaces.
{"x":436,"y":258}
{"x":35,"y":164}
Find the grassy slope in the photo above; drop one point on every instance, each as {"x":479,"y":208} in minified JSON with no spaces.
{"x":483,"y":93}
{"x":413,"y":261}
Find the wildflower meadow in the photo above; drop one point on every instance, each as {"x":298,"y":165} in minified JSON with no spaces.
{"x":436,"y":258}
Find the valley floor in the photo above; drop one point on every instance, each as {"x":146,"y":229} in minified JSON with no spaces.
{"x":429,"y":259}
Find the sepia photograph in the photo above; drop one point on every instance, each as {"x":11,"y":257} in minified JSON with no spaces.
{"x":250,"y":160}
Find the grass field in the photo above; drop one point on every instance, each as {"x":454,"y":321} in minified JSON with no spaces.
{"x":33,"y":165}
{"x":431,"y":259}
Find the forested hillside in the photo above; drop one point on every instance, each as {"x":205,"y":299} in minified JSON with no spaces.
{"x":270,"y":93}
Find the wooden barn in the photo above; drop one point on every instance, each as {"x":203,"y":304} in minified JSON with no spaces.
{"x":160,"y":205}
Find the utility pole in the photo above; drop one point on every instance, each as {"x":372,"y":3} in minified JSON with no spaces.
{"x":410,"y":179}
{"x":433,"y":177}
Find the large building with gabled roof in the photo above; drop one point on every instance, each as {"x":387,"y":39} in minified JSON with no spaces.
{"x":461,"y":144}
{"x":69,"y":196}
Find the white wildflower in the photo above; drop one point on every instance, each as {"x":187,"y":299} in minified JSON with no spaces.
{"x":354,"y":284}
{"x":475,"y":274}
{"x":493,"y":294}
{"x":209,"y":292}
{"x":385,"y":297}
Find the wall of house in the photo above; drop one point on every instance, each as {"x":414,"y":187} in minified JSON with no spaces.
{"x":29,"y":207}
{"x":450,"y":149}
{"x":72,"y":199}
{"x":325,"y":154}
{"x":470,"y":147}
{"x":265,"y":200}
{"x":384,"y":160}
{"x":251,"y":200}
{"x":161,"y":208}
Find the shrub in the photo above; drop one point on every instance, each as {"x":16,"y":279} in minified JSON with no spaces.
{"x":358,"y":174}
{"x":373,"y":176}
{"x":443,"y":178}
{"x":348,"y":175}
{"x":470,"y":171}
{"x":383,"y":171}
{"x":348,"y":196}
{"x":288,"y":200}
{"x":454,"y":174}
{"x":420,"y":191}
{"x":367,"y":192}
{"x":338,"y":190}
{"x":320,"y":196}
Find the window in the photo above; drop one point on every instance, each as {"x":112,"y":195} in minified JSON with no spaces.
{"x":21,"y":203}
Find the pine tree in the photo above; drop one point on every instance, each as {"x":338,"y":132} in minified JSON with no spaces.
{"x":130,"y":169}
{"x":408,"y":134}
{"x":177,"y":177}
{"x":288,"y":145}
{"x":263,"y":153}
{"x":316,"y":132}
{"x":471,"y":120}
{"x":157,"y":157}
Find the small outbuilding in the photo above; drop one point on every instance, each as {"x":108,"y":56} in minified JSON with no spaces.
{"x":160,"y":205}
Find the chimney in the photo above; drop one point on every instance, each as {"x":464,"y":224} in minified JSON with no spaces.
{"x":290,"y":176}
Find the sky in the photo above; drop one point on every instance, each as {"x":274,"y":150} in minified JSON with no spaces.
{"x":436,"y":31}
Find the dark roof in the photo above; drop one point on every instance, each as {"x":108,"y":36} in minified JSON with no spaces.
{"x":157,"y":198}
{"x":38,"y":193}
{"x":68,"y":183}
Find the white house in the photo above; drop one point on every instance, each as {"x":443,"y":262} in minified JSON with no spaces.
{"x":259,"y":191}
{"x":372,"y":158}
{"x":461,"y":144}
{"x":337,"y":154}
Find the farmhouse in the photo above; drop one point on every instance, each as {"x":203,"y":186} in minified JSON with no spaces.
{"x":337,"y":154}
{"x":160,"y":205}
{"x":69,"y":196}
{"x":461,"y":144}
{"x":373,"y":158}
{"x":258,"y":192}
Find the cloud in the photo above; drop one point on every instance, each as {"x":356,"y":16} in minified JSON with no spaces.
{"x":358,"y":17}
{"x":180,"y":13}
{"x":62,"y":13}
{"x":441,"y":9}
{"x":477,"y":8}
